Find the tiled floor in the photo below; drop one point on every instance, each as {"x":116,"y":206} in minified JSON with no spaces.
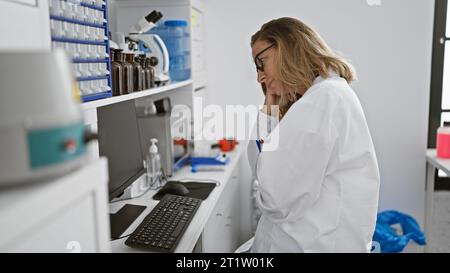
{"x":440,"y":233}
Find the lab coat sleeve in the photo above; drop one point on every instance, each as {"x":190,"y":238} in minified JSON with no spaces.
{"x":291,"y":176}
{"x":261,"y":130}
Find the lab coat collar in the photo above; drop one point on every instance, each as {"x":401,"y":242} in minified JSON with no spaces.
{"x":331,"y":74}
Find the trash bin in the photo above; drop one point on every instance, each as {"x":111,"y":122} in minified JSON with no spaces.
{"x":392,"y":241}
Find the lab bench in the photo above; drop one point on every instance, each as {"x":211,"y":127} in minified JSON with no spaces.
{"x":433,"y":164}
{"x":215,"y":226}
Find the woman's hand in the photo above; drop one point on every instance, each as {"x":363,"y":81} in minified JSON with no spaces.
{"x":271,"y":100}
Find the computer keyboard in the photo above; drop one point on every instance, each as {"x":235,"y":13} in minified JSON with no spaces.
{"x":163,"y":227}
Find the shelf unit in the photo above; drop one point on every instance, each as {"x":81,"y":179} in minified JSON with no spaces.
{"x":125,"y":13}
{"x":135,"y":95}
{"x":77,"y":41}
{"x":58,"y":15}
{"x":75,"y":21}
{"x":179,"y":92}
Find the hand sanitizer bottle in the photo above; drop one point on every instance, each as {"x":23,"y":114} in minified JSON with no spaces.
{"x":153,"y":164}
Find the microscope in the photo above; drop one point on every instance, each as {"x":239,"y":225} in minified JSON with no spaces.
{"x":150,"y":44}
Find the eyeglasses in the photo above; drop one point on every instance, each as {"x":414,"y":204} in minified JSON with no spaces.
{"x":260,"y":63}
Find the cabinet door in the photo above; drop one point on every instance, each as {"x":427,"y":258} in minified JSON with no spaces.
{"x":197,"y":56}
{"x":197,"y":24}
{"x":234,"y":215}
{"x":198,"y":51}
{"x":221,"y":233}
{"x":64,"y":214}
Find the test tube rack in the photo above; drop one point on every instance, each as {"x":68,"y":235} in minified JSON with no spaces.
{"x":80,"y":27}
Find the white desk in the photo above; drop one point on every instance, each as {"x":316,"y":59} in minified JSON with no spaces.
{"x":195,"y":228}
{"x":433,"y":163}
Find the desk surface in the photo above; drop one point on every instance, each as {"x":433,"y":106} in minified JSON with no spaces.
{"x":441,"y":164}
{"x":193,"y":232}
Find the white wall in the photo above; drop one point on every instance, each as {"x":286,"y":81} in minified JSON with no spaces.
{"x":24,"y":25}
{"x":390,"y":47}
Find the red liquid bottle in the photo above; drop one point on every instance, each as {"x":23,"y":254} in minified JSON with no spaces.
{"x":443,"y":141}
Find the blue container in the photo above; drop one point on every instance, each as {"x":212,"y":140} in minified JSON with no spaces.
{"x":176,"y":38}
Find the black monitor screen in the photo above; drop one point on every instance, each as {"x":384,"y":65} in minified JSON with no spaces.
{"x":119,"y":141}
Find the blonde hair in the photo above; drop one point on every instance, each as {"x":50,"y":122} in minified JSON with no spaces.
{"x":301,"y":56}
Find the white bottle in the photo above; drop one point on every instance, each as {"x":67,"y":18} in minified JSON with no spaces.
{"x":153,"y":164}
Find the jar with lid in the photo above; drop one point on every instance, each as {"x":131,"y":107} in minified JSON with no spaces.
{"x":148,"y":65}
{"x":117,"y":73}
{"x":136,"y":72}
{"x":176,"y":38}
{"x":128,"y":83}
{"x":141,"y":60}
{"x":146,"y":77}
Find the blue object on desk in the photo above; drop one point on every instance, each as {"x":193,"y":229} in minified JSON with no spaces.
{"x":258,"y":144}
{"x":219,"y":160}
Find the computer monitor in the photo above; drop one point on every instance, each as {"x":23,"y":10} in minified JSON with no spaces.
{"x":119,"y":142}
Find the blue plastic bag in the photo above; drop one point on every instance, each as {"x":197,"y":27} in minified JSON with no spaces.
{"x":389,"y":240}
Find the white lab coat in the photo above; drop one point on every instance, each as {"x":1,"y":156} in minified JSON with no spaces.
{"x":318,"y":190}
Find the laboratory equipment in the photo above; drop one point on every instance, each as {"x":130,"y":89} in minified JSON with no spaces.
{"x":141,"y":62}
{"x":163,"y":106}
{"x":133,"y":73}
{"x":443,"y":141}
{"x":153,"y":165}
{"x":81,"y":28}
{"x":173,"y":154}
{"x":157,"y":126}
{"x":153,"y":46}
{"x":128,"y":79}
{"x":41,"y":124}
{"x":176,"y":39}
{"x":117,"y":73}
{"x":138,"y":74}
{"x":146,"y":23}
{"x":148,"y":71}
{"x":205,"y":163}
{"x":225,"y":145}
{"x":165,"y":225}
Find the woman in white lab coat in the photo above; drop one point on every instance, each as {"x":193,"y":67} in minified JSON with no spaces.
{"x":317,"y":172}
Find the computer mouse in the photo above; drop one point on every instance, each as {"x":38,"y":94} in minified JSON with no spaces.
{"x":174,"y":188}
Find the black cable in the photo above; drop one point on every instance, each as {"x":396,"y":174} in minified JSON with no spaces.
{"x":121,"y":237}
